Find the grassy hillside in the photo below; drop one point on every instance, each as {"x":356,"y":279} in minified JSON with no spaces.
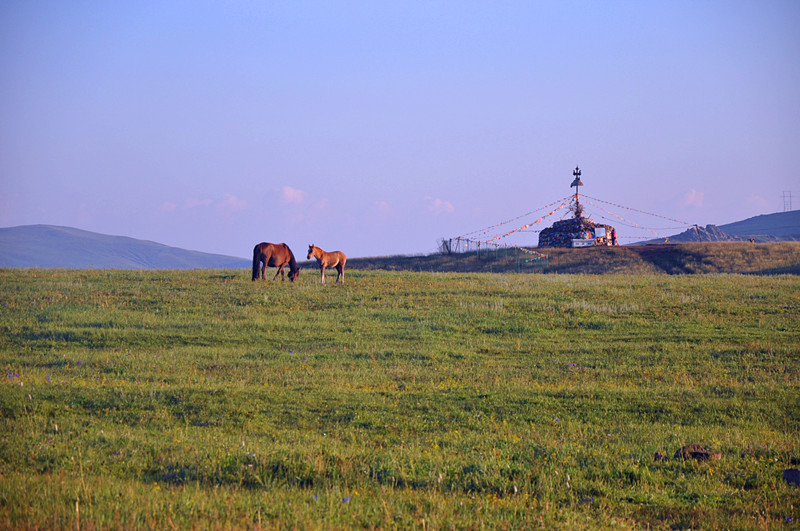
{"x":728,"y":257}
{"x":172,"y":399}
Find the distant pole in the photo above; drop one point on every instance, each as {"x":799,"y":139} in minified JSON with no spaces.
{"x":576,"y":183}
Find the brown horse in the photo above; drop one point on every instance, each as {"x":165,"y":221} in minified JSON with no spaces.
{"x":274,"y":255}
{"x":335,"y":259}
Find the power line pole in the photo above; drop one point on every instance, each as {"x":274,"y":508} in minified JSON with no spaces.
{"x":787,"y":200}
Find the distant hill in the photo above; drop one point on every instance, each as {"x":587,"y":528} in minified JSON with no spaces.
{"x":778,"y":227}
{"x":782,"y":226}
{"x":64,"y":247}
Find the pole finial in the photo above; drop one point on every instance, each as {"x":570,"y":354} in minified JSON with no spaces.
{"x":577,"y":181}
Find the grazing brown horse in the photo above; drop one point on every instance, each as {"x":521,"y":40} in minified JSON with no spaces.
{"x":335,"y":259}
{"x":274,"y":255}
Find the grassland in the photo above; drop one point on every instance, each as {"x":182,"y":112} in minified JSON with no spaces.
{"x":199,"y":399}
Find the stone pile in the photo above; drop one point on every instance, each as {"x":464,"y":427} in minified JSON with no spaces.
{"x":561,"y":233}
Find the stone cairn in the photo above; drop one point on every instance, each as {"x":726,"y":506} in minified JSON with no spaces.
{"x":563,"y":232}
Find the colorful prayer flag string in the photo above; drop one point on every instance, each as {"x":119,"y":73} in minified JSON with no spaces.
{"x":636,"y":210}
{"x":528,"y":225}
{"x":487,"y":229}
{"x":633,"y":223}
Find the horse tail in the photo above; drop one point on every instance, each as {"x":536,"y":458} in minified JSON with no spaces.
{"x":256,"y":260}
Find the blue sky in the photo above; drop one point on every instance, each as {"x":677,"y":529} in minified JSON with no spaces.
{"x":379,"y":127}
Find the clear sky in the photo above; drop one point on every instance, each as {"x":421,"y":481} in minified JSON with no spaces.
{"x":378,"y":127}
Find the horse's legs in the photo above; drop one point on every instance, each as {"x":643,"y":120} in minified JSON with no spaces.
{"x":264,"y":271}
{"x":322,"y":268}
{"x":340,"y":276}
{"x":278,"y":272}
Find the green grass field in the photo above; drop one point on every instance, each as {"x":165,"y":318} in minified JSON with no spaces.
{"x":199,"y":399}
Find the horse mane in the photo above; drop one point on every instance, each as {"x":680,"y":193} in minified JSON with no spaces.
{"x":292,"y":261}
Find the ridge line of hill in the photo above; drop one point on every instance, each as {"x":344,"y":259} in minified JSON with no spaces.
{"x":48,"y":246}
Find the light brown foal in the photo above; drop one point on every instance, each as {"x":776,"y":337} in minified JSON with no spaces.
{"x":335,"y":259}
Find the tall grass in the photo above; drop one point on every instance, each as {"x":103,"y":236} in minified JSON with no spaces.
{"x":425,"y":400}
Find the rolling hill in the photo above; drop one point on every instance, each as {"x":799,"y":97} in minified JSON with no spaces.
{"x":64,"y":247}
{"x":781,"y":226}
{"x":49,"y":246}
